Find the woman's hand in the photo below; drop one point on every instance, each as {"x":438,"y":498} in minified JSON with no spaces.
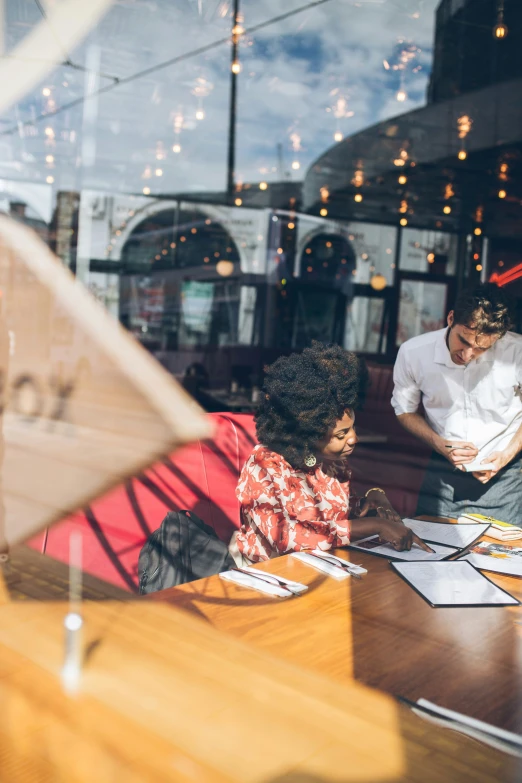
{"x":399,"y":536}
{"x":378,"y":501}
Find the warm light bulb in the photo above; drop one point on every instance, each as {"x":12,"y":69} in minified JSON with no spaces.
{"x":263,"y":185}
{"x":502,"y":194}
{"x":446,"y":209}
{"x":238,"y":202}
{"x":358,"y":197}
{"x":159,"y":172}
{"x":49,"y":180}
{"x":46,"y":91}
{"x":49,"y":132}
{"x":477,"y":232}
{"x":323,"y":212}
{"x":403,"y":222}
{"x":500,"y":30}
{"x":399,"y":162}
{"x":236,"y":67}
{"x":291,"y":226}
{"x":431,"y":258}
{"x":479,"y":267}
{"x":338,"y":136}
{"x":49,"y":158}
{"x":146,"y":191}
{"x":403,"y":179}
{"x":378,"y":282}
{"x":296,"y":165}
{"x":224,"y":268}
{"x":176,"y":148}
{"x":401,"y":96}
{"x":200,"y":114}
{"x":462,"y":155}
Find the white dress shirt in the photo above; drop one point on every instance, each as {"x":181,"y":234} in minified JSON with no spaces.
{"x":480,"y":402}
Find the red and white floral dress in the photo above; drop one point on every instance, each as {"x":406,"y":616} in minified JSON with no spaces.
{"x":286,"y":510}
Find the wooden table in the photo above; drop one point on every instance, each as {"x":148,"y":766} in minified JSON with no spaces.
{"x":377,"y":631}
{"x":166,"y":697}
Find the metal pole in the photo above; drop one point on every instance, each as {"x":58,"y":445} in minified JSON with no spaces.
{"x":231,"y":165}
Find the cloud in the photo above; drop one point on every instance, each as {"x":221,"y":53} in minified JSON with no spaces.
{"x":293,"y":73}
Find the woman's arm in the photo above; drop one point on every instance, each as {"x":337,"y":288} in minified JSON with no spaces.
{"x":394,"y":533}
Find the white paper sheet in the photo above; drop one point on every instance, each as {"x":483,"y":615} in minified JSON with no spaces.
{"x":454,"y":583}
{"x":373,"y":547}
{"x":509,"y":566}
{"x":459,"y":536}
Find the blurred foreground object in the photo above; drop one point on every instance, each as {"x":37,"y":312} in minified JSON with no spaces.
{"x":82,"y":405}
{"x":65,"y":25}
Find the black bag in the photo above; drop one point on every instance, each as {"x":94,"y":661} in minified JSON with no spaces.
{"x":181,"y":550}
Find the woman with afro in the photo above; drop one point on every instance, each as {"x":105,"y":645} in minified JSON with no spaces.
{"x":294,"y":488}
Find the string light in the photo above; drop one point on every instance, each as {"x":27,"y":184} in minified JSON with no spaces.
{"x":46,"y":91}
{"x":296,"y":165}
{"x":477,"y":231}
{"x":446,"y":209}
{"x":291,"y":226}
{"x":49,"y":180}
{"x":159,"y":172}
{"x":403,"y":179}
{"x":263,"y":185}
{"x":462,"y":155}
{"x":176,"y":148}
{"x":338,"y":136}
{"x":238,"y":202}
{"x":146,"y":191}
{"x":502,"y":194}
{"x":403,"y":222}
{"x":200,"y":114}
{"x":401,"y":96}
{"x":378,"y":282}
{"x":49,"y":158}
{"x":323,"y":212}
{"x":404,"y":206}
{"x":431,"y":258}
{"x":479,"y":267}
{"x":236,"y":67}
{"x":358,"y":197}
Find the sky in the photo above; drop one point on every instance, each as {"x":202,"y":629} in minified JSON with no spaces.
{"x":303,"y":79}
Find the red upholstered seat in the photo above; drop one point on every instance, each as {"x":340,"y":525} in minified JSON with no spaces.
{"x":201,"y":477}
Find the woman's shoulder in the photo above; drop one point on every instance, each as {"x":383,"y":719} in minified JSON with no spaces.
{"x":263,"y":457}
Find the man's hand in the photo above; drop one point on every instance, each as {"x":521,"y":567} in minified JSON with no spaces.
{"x":399,"y":536}
{"x":458,"y":452}
{"x":378,"y":501}
{"x":499,"y":459}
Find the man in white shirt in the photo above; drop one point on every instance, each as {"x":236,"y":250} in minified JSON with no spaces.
{"x":469,"y":380}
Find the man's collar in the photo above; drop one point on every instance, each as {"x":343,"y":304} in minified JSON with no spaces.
{"x":443,"y":356}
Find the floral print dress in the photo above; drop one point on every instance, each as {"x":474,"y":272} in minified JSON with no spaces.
{"x":287,"y":510}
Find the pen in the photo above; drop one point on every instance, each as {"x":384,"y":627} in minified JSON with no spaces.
{"x":456,"y":447}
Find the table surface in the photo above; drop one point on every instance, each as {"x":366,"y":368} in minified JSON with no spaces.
{"x":377,"y":631}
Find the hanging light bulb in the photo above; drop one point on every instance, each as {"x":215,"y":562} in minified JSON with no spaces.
{"x":338,"y":136}
{"x":296,"y":165}
{"x":263,"y":185}
{"x":403,"y":222}
{"x":200,"y":114}
{"x":358,"y":197}
{"x":502,"y":194}
{"x":146,"y":191}
{"x":378,"y":282}
{"x":238,"y":202}
{"x":403,"y":179}
{"x":236,"y":67}
{"x":323,"y":212}
{"x":462,"y":155}
{"x":401,"y":95}
{"x":446,"y":209}
{"x":46,"y":91}
{"x":176,"y":148}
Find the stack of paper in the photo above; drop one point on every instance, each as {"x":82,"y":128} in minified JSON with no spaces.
{"x":503,"y":531}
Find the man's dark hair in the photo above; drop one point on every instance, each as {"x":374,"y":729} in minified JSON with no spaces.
{"x":484,"y":308}
{"x":305,"y":395}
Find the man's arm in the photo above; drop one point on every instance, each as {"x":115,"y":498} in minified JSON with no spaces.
{"x":457,"y":452}
{"x":405,"y":401}
{"x":501,"y":458}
